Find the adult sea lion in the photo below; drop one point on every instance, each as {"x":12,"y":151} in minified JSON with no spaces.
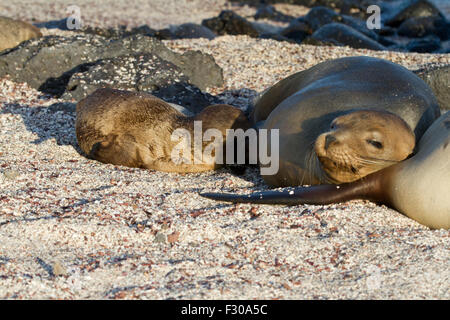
{"x":136,"y":129}
{"x":13,"y":32}
{"x":343,"y":119}
{"x":417,"y":187}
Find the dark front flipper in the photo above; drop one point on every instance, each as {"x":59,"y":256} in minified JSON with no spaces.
{"x":318,"y":194}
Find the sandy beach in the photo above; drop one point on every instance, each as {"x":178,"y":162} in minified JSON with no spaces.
{"x":74,"y":228}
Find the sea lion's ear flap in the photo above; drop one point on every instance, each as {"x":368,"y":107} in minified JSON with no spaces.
{"x":117,"y":150}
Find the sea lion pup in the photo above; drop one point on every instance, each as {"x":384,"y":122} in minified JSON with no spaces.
{"x":14,"y":32}
{"x":136,"y":129}
{"x":343,"y":119}
{"x":417,"y":187}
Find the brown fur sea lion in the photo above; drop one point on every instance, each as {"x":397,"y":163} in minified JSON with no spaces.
{"x":136,"y":129}
{"x":344,"y":119}
{"x":13,"y":32}
{"x":418,"y":187}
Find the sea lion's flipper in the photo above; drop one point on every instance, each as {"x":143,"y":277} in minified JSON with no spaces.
{"x":117,"y":150}
{"x":318,"y":194}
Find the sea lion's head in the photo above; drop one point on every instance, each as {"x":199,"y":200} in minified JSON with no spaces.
{"x":223,"y":117}
{"x":362,"y":142}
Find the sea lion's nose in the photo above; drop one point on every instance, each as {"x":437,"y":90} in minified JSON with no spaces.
{"x":329,"y":139}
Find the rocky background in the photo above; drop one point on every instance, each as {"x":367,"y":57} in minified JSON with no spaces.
{"x":74,"y":228}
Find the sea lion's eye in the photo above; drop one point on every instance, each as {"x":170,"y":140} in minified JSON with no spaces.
{"x":375,"y":143}
{"x":333,"y":126}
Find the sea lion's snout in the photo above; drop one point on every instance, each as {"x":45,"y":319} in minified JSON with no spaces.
{"x":329,"y":138}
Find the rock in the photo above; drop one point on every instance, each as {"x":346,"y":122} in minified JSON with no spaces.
{"x":342,"y":5}
{"x":110,"y":33}
{"x":146,"y":72}
{"x":425,"y":26}
{"x":14,"y":32}
{"x":269,"y":12}
{"x":47,"y":64}
{"x":173,"y":237}
{"x":341,"y":34}
{"x":186,"y":95}
{"x":297,"y":30}
{"x":192,"y":31}
{"x":358,"y":25}
{"x":445,"y":47}
{"x":387,"y":42}
{"x":320,"y":16}
{"x":160,"y":237}
{"x":120,"y":32}
{"x":229,"y":22}
{"x":438,"y":78}
{"x":164,"y":34}
{"x":424,"y":45}
{"x":11,"y":174}
{"x":185,"y":31}
{"x":386,"y":31}
{"x":411,"y":9}
{"x":59,"y":270}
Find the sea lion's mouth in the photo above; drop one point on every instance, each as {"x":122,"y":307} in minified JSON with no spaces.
{"x":339,"y":172}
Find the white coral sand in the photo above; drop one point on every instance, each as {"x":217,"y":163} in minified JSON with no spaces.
{"x":74,"y":228}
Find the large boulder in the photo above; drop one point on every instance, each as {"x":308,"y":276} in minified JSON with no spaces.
{"x":424,"y":45}
{"x":418,"y":27}
{"x":341,"y":34}
{"x":229,"y":22}
{"x":401,"y":11}
{"x":269,"y":12}
{"x":43,"y":63}
{"x":137,"y":72}
{"x":320,"y":16}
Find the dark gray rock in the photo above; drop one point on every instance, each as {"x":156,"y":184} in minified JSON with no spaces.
{"x":45,"y":62}
{"x":425,"y":26}
{"x":146,"y":72}
{"x":386,"y":31}
{"x":357,"y":24}
{"x":410,"y":9}
{"x":269,"y":12}
{"x":164,"y":34}
{"x":186,"y":95}
{"x":229,"y":22}
{"x":192,"y":31}
{"x":120,"y":32}
{"x":320,"y":16}
{"x":438,"y":78}
{"x":343,"y":5}
{"x":424,"y":45}
{"x":297,"y":30}
{"x":111,"y":33}
{"x":387,"y":42}
{"x":445,"y":47}
{"x":341,"y":34}
{"x":185,"y":31}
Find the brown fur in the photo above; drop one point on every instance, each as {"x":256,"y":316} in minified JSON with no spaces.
{"x":13,"y":32}
{"x":362,"y":142}
{"x":134,"y":129}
